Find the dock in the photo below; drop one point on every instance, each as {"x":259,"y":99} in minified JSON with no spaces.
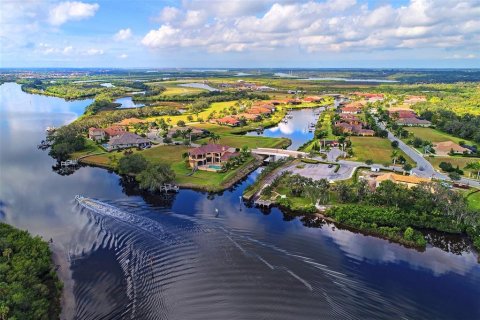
{"x":69,"y":163}
{"x":169,"y":188}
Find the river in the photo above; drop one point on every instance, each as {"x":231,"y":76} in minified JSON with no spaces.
{"x":177,"y":258}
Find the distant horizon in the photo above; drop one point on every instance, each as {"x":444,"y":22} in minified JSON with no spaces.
{"x":220,"y":69}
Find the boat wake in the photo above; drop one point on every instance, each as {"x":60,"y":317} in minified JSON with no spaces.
{"x":210,"y":268}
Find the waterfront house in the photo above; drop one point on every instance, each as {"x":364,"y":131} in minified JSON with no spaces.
{"x":96,"y":134}
{"x":409,"y":181}
{"x":350,"y":110}
{"x":259,"y":110}
{"x":210,"y":157}
{"x":228,"y":121}
{"x":312,"y":99}
{"x":114,"y":131}
{"x":447,"y":147}
{"x":127,"y":140}
{"x":248,"y":116}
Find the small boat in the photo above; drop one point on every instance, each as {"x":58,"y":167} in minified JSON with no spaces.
{"x":50,"y":129}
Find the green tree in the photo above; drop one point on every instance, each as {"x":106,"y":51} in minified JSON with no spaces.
{"x":214,"y":137}
{"x":474,"y":166}
{"x":155,"y":176}
{"x":132,"y":164}
{"x":409,"y":234}
{"x":407,"y":167}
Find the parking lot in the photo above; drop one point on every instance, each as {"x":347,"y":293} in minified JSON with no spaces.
{"x":322,"y":171}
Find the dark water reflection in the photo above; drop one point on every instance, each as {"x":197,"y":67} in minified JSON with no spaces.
{"x":198,"y":264}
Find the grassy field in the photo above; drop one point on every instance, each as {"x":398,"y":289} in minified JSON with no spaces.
{"x":434,"y":135}
{"x":90,"y":147}
{"x":217,"y":106}
{"x":474,"y":200}
{"x":461,"y":162}
{"x":175,"y":90}
{"x":377,"y":149}
{"x":239,"y":141}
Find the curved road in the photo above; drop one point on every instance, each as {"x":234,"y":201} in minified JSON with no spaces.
{"x":424,"y":168}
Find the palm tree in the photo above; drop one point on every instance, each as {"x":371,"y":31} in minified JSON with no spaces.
{"x":394,"y":156}
{"x":475,"y":166}
{"x":214,"y":137}
{"x":188,"y":132}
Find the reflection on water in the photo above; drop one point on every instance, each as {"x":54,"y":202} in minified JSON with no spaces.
{"x":127,"y":102}
{"x":176,"y":258}
{"x":296,"y":128}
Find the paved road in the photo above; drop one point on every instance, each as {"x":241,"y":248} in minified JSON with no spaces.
{"x":424,"y":168}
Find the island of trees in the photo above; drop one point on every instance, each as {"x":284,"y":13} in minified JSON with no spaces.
{"x":29,"y":287}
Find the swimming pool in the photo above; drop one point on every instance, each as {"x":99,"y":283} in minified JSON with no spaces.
{"x":215,"y":166}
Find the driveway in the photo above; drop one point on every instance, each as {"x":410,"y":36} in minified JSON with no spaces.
{"x":322,"y":171}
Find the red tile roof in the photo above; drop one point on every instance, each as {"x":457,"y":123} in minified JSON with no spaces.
{"x":114,"y":131}
{"x":209,"y":148}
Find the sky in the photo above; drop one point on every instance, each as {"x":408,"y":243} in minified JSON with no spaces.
{"x":240,"y":34}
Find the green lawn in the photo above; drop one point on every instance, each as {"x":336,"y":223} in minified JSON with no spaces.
{"x":238,"y":141}
{"x":461,"y":162}
{"x":175,"y":90}
{"x":474,"y":200}
{"x":90,"y":147}
{"x":434,"y":135}
{"x":377,"y":149}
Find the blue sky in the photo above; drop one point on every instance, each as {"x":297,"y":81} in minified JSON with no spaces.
{"x":240,"y":33}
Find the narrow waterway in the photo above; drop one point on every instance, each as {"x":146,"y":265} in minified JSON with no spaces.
{"x":298,"y":126}
{"x":208,"y":256}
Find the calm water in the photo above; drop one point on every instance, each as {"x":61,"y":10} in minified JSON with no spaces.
{"x":175,"y":258}
{"x":296,"y":128}
{"x":127,"y":102}
{"x":198,"y":86}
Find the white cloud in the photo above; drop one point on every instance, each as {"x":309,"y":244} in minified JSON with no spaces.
{"x":94,"y":52}
{"x":165,"y":36}
{"x":74,"y":11}
{"x":123,"y":56}
{"x":333,"y":25}
{"x":194,"y":19}
{"x":67,"y":50}
{"x":168,"y":14}
{"x":122,"y":34}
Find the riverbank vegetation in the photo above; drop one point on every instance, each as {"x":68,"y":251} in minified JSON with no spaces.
{"x":29,"y":286}
{"x":390,"y":210}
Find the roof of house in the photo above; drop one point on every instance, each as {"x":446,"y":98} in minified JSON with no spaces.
{"x":403,"y":114}
{"x":351,"y":109}
{"x":413,"y":121}
{"x":394,"y":177}
{"x":247,"y":116}
{"x":258,"y":110}
{"x":209,"y":148}
{"x":312,"y":99}
{"x":130,"y":121}
{"x":227,"y":155}
{"x":114,"y":130}
{"x":228,"y":120}
{"x":446,"y":146}
{"x":127,"y":138}
{"x":92,"y":130}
